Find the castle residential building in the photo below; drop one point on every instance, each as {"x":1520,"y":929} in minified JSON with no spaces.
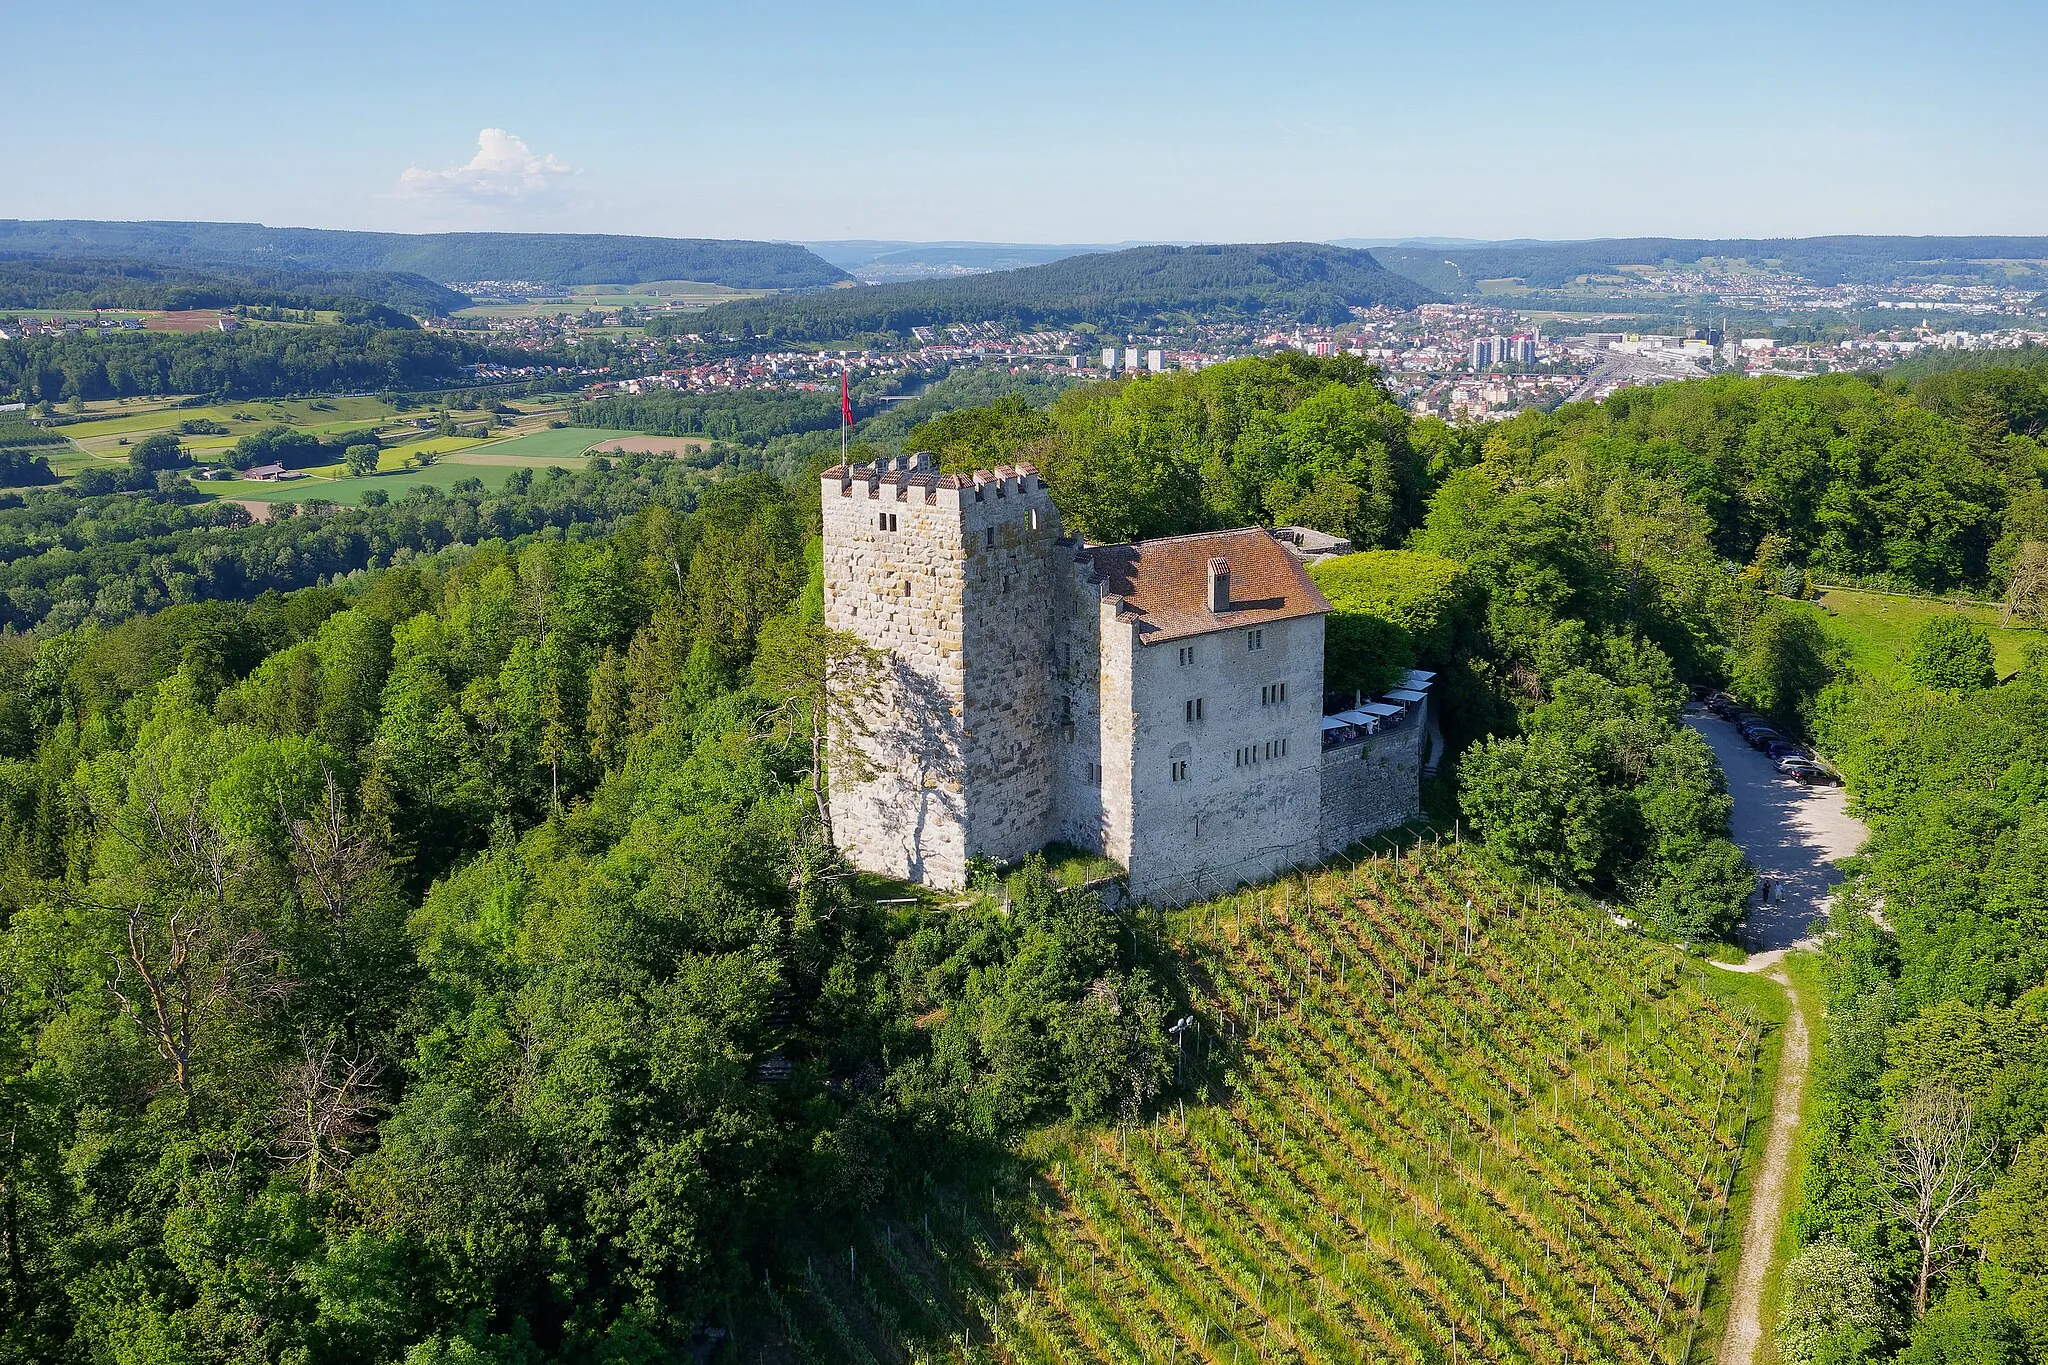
{"x":1159,"y":703}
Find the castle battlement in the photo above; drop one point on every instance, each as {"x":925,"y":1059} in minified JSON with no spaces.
{"x":906,"y":478}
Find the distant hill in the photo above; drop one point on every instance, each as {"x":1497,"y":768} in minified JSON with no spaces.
{"x":543,"y":257}
{"x":93,"y":282}
{"x":874,"y":262}
{"x":1823,"y":260}
{"x":1301,"y":280}
{"x":1462,"y":243}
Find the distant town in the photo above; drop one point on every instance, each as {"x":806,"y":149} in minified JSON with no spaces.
{"x":1453,"y":360}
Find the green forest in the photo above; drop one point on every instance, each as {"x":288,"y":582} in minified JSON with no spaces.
{"x":91,"y":282}
{"x":558,"y":258}
{"x":1926,"y":1174}
{"x":1114,"y":289}
{"x":418,"y":938}
{"x":251,"y":362}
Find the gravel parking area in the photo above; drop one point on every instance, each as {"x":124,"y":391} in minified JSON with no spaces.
{"x":1793,"y":835}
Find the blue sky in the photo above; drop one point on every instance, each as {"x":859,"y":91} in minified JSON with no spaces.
{"x":1056,"y":122}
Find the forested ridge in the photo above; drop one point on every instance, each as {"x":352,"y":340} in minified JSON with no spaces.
{"x":93,"y":282}
{"x":1114,"y":289}
{"x":560,"y":258}
{"x":251,"y":362}
{"x":448,"y":961}
{"x":1823,"y":260}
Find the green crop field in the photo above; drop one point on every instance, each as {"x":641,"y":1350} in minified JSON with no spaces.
{"x":651,"y":294}
{"x":1877,"y":628}
{"x":349,"y":492}
{"x":559,"y":445}
{"x":1435,"y":1117}
{"x":322,"y":416}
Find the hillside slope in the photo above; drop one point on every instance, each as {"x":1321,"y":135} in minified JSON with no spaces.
{"x":1447,"y":1118}
{"x":1823,"y":260}
{"x":1110,"y":289}
{"x":544,"y":257}
{"x":96,"y":282}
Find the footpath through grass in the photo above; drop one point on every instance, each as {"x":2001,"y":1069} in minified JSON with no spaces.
{"x":1429,"y":1115}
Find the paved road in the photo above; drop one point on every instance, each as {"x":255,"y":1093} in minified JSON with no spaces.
{"x":1793,"y":835}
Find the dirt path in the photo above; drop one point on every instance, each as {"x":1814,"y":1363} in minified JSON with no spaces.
{"x":1745,"y":1332}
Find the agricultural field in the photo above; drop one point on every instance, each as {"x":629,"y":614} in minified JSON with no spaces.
{"x":1877,"y":628}
{"x":454,"y":458}
{"x":348,"y":492}
{"x":1428,"y":1116}
{"x":651,"y":294}
{"x":112,"y":428}
{"x":104,"y":435}
{"x":555,"y":445}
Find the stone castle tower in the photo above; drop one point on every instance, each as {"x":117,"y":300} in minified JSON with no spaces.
{"x":936,"y":570}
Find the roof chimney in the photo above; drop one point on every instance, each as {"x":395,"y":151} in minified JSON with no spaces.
{"x":1219,"y":586}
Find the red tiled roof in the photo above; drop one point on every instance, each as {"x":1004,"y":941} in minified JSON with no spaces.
{"x":1166,"y":582}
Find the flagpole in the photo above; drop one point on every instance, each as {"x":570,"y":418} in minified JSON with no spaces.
{"x":845,"y":407}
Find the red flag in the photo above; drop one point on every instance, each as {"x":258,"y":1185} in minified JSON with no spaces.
{"x":845,"y":400}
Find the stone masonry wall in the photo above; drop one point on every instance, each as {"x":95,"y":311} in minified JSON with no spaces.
{"x":1008,"y":637}
{"x":1242,"y":810}
{"x":904,"y":592}
{"x":1084,"y":795}
{"x":1374,"y":784}
{"x":955,"y":590}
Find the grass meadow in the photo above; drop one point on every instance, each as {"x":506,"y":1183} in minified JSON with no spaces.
{"x":1877,"y":628}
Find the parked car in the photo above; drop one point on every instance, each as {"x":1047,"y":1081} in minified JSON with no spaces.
{"x":1786,"y":749}
{"x":1811,"y":773}
{"x":1723,"y":706}
{"x":1762,"y":737}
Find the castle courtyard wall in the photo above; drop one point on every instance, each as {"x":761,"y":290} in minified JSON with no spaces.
{"x":1373,"y":784}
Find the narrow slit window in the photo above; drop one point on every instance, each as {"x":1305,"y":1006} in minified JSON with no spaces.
{"x":990,"y":541}
{"x":1254,"y":639}
{"x":1180,"y":770}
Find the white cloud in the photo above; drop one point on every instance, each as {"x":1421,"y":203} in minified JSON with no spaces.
{"x":504,"y":173}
